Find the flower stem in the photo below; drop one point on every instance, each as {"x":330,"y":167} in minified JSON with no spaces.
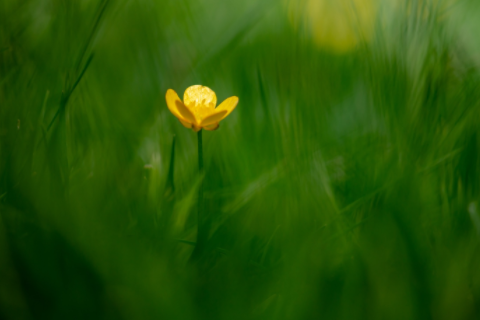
{"x":201,"y":236}
{"x":200,"y":188}
{"x":200,"y":152}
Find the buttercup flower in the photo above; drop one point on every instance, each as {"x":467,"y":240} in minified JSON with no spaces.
{"x":197,"y":111}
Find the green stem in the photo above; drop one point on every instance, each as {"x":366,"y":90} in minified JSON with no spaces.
{"x":201,"y":235}
{"x":200,"y":188}
{"x":200,"y":152}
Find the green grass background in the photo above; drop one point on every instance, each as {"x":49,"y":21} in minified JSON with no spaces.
{"x":343,"y":186}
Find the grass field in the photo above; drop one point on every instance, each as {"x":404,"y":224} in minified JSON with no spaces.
{"x":345,"y":184}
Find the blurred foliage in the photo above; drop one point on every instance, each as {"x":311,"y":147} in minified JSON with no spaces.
{"x":345,"y":185}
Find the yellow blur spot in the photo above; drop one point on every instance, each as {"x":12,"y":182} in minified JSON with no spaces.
{"x":337,"y":25}
{"x":340,"y":25}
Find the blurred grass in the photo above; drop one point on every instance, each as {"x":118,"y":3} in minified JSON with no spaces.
{"x":344,"y":186}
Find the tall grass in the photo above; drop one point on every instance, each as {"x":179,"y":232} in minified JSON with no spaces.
{"x":345,"y":185}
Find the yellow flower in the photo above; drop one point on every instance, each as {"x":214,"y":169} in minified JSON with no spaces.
{"x":197,"y":111}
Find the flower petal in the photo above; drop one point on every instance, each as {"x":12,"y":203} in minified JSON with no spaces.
{"x":176,"y":106}
{"x":196,"y":128}
{"x":227,"y":105}
{"x":171,"y":98}
{"x":212,"y":127}
{"x":199,"y":95}
{"x":214,"y":117}
{"x":185,"y":124}
{"x":186,"y":114}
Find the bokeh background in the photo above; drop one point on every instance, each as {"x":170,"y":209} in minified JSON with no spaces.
{"x":345,"y":185}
